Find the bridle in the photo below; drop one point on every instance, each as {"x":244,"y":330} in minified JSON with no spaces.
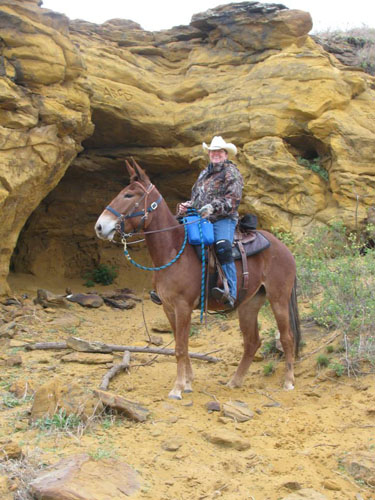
{"x":121,"y":218}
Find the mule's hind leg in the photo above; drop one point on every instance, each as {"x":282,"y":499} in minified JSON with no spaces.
{"x":248,"y":316}
{"x":280,"y":310}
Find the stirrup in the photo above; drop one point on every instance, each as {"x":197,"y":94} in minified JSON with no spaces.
{"x":220,"y":296}
{"x":155,"y":298}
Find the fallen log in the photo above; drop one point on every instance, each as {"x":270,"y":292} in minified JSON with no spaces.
{"x":131,"y":409}
{"x":124,"y":365}
{"x":81,"y":345}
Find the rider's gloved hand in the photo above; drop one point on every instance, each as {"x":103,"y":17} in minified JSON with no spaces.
{"x":206,"y":210}
{"x":183,"y":207}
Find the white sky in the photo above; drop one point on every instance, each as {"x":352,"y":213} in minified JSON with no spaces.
{"x":154,"y":15}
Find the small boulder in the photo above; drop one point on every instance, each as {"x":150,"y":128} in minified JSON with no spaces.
{"x":87,"y":358}
{"x":227,"y":439}
{"x":119,"y":304}
{"x":9,"y":450}
{"x":328,"y":484}
{"x":213,"y":406}
{"x":8,"y":330}
{"x":45,"y":298}
{"x":15,"y":360}
{"x":238,"y":411}
{"x":59,"y":395}
{"x":161,"y":326}
{"x":22,"y":388}
{"x":172,"y":444}
{"x":361,"y":465}
{"x":80,"y":476}
{"x":292,"y":485}
{"x":86,"y":299}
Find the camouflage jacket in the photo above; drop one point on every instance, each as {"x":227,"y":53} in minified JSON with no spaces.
{"x":221,"y":186}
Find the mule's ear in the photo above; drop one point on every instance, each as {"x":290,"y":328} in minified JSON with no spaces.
{"x":131,"y":170}
{"x":142,"y":176}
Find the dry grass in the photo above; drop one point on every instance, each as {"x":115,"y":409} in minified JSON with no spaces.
{"x":360,"y":40}
{"x":21,"y":472}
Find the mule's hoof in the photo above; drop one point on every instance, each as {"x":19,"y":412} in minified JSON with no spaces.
{"x":288,"y":386}
{"x":188,"y":390}
{"x":233,"y":385}
{"x":175,"y":395}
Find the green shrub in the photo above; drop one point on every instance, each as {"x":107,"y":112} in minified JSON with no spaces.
{"x":314,"y":165}
{"x":340,"y":285}
{"x":59,"y":421}
{"x":103,"y":274}
{"x":268,"y":369}
{"x":338,"y":368}
{"x":322,"y":361}
{"x":269,"y":348}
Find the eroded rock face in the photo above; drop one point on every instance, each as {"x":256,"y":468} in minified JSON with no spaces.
{"x":247,"y":71}
{"x":44,"y":113}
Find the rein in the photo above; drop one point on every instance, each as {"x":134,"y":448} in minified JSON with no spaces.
{"x":120,"y":227}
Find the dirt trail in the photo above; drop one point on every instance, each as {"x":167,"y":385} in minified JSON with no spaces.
{"x":299,"y":436}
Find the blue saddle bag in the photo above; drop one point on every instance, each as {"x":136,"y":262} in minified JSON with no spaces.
{"x":192,"y":226}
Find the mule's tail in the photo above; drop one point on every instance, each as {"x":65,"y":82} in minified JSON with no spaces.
{"x":294,"y":318}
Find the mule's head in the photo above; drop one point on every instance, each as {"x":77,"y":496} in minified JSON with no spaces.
{"x":133,"y":199}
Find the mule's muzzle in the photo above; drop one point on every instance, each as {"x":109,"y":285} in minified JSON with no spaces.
{"x":105,"y":228}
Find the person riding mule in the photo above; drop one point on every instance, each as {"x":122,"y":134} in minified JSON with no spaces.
{"x":216,"y":195}
{"x":177,"y":276}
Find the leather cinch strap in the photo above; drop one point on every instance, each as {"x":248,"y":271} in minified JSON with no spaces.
{"x":245,"y":271}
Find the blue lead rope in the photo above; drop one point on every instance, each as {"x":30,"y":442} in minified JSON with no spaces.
{"x":145,"y":268}
{"x":203,"y":267}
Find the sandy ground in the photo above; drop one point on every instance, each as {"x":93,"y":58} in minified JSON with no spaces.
{"x":298,"y":436}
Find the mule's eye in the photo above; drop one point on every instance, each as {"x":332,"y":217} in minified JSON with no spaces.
{"x":127,"y":195}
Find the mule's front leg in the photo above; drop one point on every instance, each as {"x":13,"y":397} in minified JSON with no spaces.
{"x":184,"y":370}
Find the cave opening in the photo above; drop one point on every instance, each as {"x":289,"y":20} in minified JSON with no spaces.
{"x":311,"y":153}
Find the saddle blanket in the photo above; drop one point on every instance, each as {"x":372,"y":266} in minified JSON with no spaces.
{"x":253,"y":244}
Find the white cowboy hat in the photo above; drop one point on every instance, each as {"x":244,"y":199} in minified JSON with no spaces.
{"x":219,"y":143}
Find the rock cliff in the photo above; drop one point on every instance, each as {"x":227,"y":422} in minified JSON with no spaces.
{"x":85,"y":96}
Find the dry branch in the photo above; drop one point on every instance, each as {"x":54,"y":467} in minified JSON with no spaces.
{"x":85,"y":346}
{"x":124,"y":365}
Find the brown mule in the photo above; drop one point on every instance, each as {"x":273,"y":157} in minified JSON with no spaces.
{"x":139,"y":206}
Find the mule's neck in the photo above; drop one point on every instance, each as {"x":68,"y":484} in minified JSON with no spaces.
{"x":163,"y":245}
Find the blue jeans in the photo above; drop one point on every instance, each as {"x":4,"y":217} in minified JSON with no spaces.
{"x":224,"y":230}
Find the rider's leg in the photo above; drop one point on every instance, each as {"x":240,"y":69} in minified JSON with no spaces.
{"x":224,"y":234}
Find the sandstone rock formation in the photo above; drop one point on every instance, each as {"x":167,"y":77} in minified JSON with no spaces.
{"x":44,"y":113}
{"x":303,"y":122}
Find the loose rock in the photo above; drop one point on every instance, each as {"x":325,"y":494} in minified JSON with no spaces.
{"x":227,"y":439}
{"x":87,"y":358}
{"x":86,"y":299}
{"x":60,"y":395}
{"x":361,"y":466}
{"x":80,"y":477}
{"x":237,"y":411}
{"x":48,"y":299}
{"x":9,"y":450}
{"x":213,"y":406}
